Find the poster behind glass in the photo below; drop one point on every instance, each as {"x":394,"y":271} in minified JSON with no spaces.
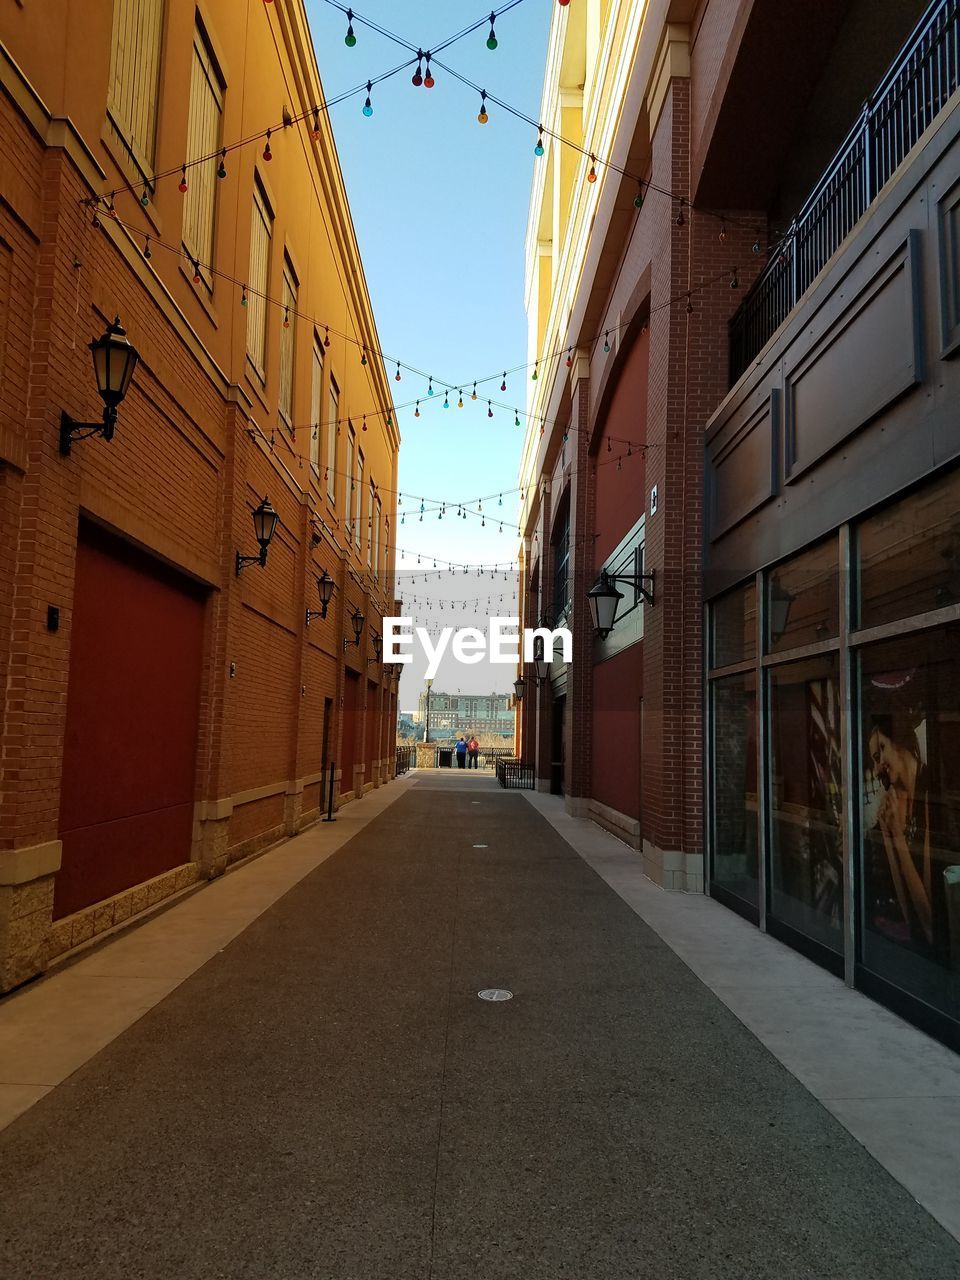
{"x":910,"y":815}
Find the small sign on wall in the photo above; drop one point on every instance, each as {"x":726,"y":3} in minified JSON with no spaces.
{"x":653,"y":500}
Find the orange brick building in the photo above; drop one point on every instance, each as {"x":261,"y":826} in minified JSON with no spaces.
{"x":161,"y":714}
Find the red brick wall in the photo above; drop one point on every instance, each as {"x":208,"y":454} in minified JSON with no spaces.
{"x":617,"y":694}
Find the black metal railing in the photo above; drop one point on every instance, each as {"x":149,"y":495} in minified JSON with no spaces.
{"x":405,"y":757}
{"x":514,"y":775}
{"x":895,"y":117}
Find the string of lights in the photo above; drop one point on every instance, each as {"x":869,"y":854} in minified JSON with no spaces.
{"x":312,"y":114}
{"x":432,"y":393}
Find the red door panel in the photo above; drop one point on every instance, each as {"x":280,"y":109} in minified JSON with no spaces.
{"x":136,"y":652}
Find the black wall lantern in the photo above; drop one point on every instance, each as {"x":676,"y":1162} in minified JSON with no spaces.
{"x":605,"y":598}
{"x":519,"y":687}
{"x":357,"y":619}
{"x":265,"y":521}
{"x":114,"y":360}
{"x":325,"y":588}
{"x":377,"y":642}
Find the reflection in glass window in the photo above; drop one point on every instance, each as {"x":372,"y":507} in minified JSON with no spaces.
{"x":803,"y":599}
{"x":735,"y":865}
{"x":909,"y":555}
{"x":806,"y":882}
{"x":734,"y":629}
{"x":910,"y":814}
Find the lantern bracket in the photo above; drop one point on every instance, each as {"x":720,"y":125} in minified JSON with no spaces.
{"x":71,"y":430}
{"x":636,"y":580}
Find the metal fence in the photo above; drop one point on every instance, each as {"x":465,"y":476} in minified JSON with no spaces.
{"x":905,"y":103}
{"x":514,"y":775}
{"x":405,"y":759}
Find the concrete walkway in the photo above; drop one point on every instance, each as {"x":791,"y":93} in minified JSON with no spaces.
{"x":326,"y":1096}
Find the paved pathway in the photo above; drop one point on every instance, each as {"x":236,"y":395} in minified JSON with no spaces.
{"x":329,"y":1099}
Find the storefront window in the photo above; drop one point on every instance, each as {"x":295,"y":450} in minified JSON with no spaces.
{"x":806,"y":882}
{"x":735,"y":829}
{"x":910,"y":814}
{"x":734,"y":626}
{"x":803,"y":599}
{"x":909,"y":555}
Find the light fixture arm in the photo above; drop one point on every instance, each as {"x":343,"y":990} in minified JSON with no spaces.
{"x":71,"y":430}
{"x":636,"y":580}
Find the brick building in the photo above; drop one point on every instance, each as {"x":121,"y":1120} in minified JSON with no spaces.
{"x":743,"y":381}
{"x":164,"y":714}
{"x":454,"y":713}
{"x":627,"y":309}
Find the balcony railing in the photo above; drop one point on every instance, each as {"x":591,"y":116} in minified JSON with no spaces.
{"x":906,"y":102}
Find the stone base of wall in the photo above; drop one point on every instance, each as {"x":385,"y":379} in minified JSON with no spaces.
{"x":93,"y":921}
{"x":619,"y":824}
{"x":255,"y":844}
{"x":673,"y":869}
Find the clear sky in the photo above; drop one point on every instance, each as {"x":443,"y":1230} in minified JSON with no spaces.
{"x":440,"y":202}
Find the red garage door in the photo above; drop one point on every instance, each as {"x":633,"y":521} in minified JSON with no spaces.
{"x":136,"y":650}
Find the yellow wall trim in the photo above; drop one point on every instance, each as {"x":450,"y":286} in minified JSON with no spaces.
{"x":672,"y":61}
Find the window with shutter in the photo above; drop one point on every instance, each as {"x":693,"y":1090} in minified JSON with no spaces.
{"x":288,"y":346}
{"x":258,"y":284}
{"x":351,"y":479}
{"x":316,"y":401}
{"x":370,"y":492}
{"x":332,"y":432}
{"x":135,"y":77}
{"x":203,"y":142}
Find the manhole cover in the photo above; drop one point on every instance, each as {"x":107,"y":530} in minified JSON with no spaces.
{"x":495,"y":994}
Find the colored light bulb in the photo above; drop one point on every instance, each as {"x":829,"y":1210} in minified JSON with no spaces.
{"x":538,"y":149}
{"x":145,"y":199}
{"x":182,"y":184}
{"x":367,"y":109}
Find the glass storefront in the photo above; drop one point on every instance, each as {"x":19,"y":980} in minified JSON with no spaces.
{"x":806,"y":853}
{"x":785,"y":840}
{"x":734,"y":771}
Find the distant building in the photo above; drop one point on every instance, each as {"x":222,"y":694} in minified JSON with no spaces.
{"x":454,"y":713}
